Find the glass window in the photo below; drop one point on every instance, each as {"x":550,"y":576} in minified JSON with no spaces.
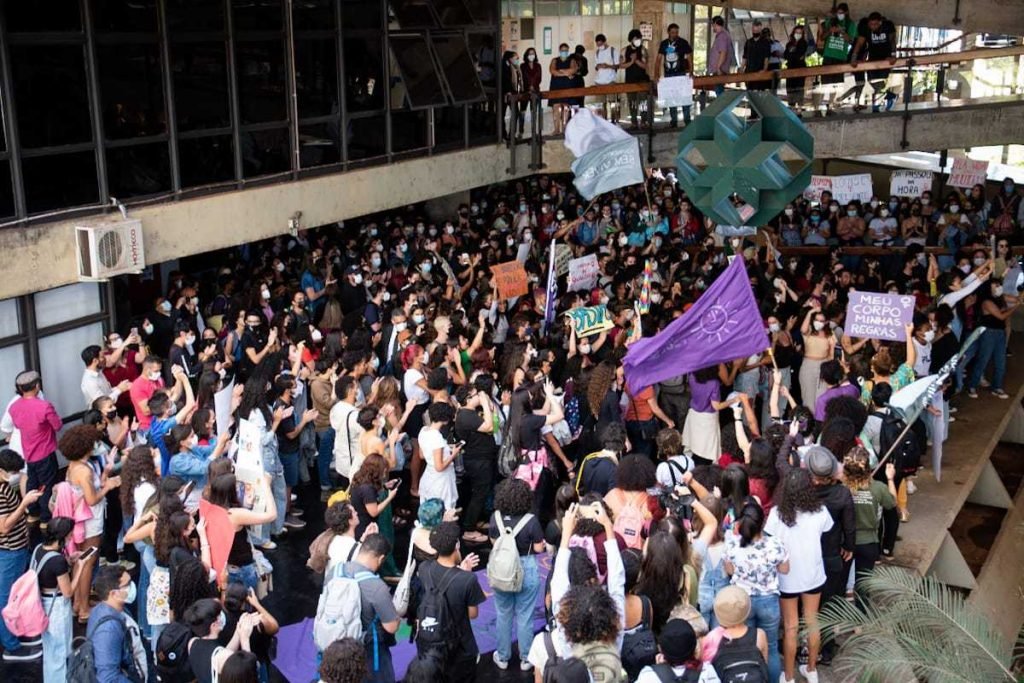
{"x":194,"y":15}
{"x":261,"y":81}
{"x":319,"y":145}
{"x":62,"y":371}
{"x":139,"y":170}
{"x":124,"y":16}
{"x":611,"y":7}
{"x":485,"y":12}
{"x":200,"y":78}
{"x":6,"y":191}
{"x":51,"y":94}
{"x":12,"y":362}
{"x":364,"y":73}
{"x":132,"y":90}
{"x":481,"y":47}
{"x":361,"y":14}
{"x":408,"y":130}
{"x":263,"y":15}
{"x":483,"y":124}
{"x":522,"y":8}
{"x":419,"y":84}
{"x":316,"y":77}
{"x":449,"y":126}
{"x":366,"y":138}
{"x":56,"y":306}
{"x":10,"y":324}
{"x":627,"y":7}
{"x":313,"y":15}
{"x":547,"y":8}
{"x":458,"y":68}
{"x":569,"y":8}
{"x":58,"y":181}
{"x":265,"y":152}
{"x":413,"y":13}
{"x":592,"y":8}
{"x":56,"y":15}
{"x":452,"y":13}
{"x":206,"y":160}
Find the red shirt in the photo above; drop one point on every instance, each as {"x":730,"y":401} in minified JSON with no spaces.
{"x":126,"y":369}
{"x":38,"y":423}
{"x":143,"y":390}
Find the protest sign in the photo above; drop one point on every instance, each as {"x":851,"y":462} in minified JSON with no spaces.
{"x":511,"y":279}
{"x":676,"y":91}
{"x":249,"y":470}
{"x":590,"y":320}
{"x":523,"y":252}
{"x":968,"y":173}
{"x":583,"y":273}
{"x":819,"y":184}
{"x":848,"y":188}
{"x":563,"y":254}
{"x":873,"y":315}
{"x":222,"y":407}
{"x":909,"y":183}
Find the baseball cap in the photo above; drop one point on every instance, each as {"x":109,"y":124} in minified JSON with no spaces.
{"x":732,"y":606}
{"x":352,"y":269}
{"x":820,"y":461}
{"x":678,"y":641}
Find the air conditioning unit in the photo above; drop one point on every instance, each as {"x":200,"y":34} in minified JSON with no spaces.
{"x":109,"y":248}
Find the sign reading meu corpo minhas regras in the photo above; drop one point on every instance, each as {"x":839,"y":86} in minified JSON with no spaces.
{"x":872,"y":315}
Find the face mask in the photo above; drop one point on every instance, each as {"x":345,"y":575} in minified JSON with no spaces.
{"x":165,"y":306}
{"x":997,"y":291}
{"x":925,"y":201}
{"x":148,"y":329}
{"x":425,"y":358}
{"x":266,"y":294}
{"x":15,"y":478}
{"x":604,"y":300}
{"x":798,"y":36}
{"x":154,"y":376}
{"x":979,"y":260}
{"x":954,"y":208}
{"x":116,"y":344}
{"x":564,"y":54}
{"x":789,"y":213}
{"x":190,"y":339}
{"x":874,"y":203}
{"x":884,"y":213}
{"x":531,"y":57}
{"x":193,"y":441}
{"x":893,"y":205}
{"x":929,"y":336}
{"x":132,"y":592}
{"x":400,"y":327}
{"x":222,"y":620}
{"x":834,"y":208}
{"x":815,"y":219}
{"x":527,"y":237}
{"x":819,"y":325}
{"x":852,"y":213}
{"x":616,"y":206}
{"x":358,"y":279}
{"x":585,"y":349}
{"x":623,"y":240}
{"x":560,"y":215}
{"x":655,"y":298}
{"x":840,"y":16}
{"x":375,"y":363}
{"x":922,"y":259}
{"x":965,"y":269}
{"x":279,"y":267}
{"x":774,"y":328}
{"x":418,"y":319}
{"x":637,"y":42}
{"x":317,"y":336}
{"x":432,"y":232}
{"x":1008,"y":188}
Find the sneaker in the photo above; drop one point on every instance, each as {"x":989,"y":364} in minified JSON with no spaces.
{"x":973,"y":393}
{"x":811,"y":676}
{"x":911,"y":489}
{"x":31,"y":641}
{"x":127,"y":565}
{"x":296,"y":512}
{"x":269,"y":545}
{"x":952,"y":419}
{"x":985,"y":384}
{"x":783,"y":679}
{"x":325,"y":495}
{"x":526,"y":666}
{"x":294,"y":522}
{"x":499,"y":662}
{"x":953,"y":410}
{"x":294,"y":498}
{"x":23,"y":654}
{"x":999,"y":393}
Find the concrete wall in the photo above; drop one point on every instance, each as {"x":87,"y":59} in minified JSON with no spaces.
{"x":992,"y":16}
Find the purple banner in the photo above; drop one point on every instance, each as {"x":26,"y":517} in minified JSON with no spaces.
{"x":872,"y":315}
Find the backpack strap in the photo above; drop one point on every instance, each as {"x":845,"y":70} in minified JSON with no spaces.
{"x":549,"y":646}
{"x":646,"y":618}
{"x":521,"y":524}
{"x":665,"y":673}
{"x":352,"y":552}
{"x":674,"y":467}
{"x":47,"y":556}
{"x":110,"y":617}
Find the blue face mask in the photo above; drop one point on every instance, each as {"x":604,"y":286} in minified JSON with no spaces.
{"x":564,"y":54}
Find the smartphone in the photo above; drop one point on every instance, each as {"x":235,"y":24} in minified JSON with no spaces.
{"x":185,"y":492}
{"x":135,"y":330}
{"x":393,"y":484}
{"x":87,"y":554}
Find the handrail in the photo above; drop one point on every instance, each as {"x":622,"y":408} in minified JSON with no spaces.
{"x":709,"y":82}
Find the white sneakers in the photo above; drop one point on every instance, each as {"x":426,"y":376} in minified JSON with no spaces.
{"x":811,"y":676}
{"x":499,"y":662}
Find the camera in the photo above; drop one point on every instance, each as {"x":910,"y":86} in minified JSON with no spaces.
{"x":679,"y":505}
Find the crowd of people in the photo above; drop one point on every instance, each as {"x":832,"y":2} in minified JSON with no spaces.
{"x":836,"y":39}
{"x":692,"y":524}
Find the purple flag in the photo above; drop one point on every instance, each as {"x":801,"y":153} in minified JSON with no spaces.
{"x":722,"y":326}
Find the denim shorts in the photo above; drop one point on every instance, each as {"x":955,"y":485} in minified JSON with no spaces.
{"x":290,"y":463}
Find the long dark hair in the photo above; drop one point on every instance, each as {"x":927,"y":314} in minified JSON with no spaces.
{"x":795,"y":495}
{"x":661,"y":574}
{"x":169,"y":532}
{"x":735,"y":487}
{"x":749,"y":522}
{"x":136,"y":468}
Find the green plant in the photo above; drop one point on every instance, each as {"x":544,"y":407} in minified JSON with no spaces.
{"x":915,"y":628}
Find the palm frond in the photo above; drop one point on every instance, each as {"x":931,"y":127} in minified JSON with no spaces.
{"x":915,"y":627}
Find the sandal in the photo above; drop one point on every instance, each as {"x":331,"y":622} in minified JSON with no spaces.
{"x":399,"y":522}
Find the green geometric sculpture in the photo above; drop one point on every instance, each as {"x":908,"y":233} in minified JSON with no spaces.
{"x":740,"y":171}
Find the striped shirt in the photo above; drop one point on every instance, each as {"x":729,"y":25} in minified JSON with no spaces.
{"x":17,"y":537}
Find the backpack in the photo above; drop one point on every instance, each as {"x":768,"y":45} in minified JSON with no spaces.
{"x":675,"y":468}
{"x":639,"y":648}
{"x":318,"y":551}
{"x":504,"y":567}
{"x":171,"y":657}
{"x":435,"y":625}
{"x":602,"y":660}
{"x":907,"y":455}
{"x":82,"y":660}
{"x":24,"y":613}
{"x":630,"y":523}
{"x":739,"y":660}
{"x":666,"y":674}
{"x":339,"y":611}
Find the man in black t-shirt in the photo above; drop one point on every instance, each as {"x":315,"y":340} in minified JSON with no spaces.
{"x":598,"y":471}
{"x":876,"y":42}
{"x":477,"y":430}
{"x":454,"y":577}
{"x":675,"y":55}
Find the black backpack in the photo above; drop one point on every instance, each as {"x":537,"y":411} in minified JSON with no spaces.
{"x":435,"y":626}
{"x":172,"y":654}
{"x":639,"y":648}
{"x":82,"y":660}
{"x":666,"y":674}
{"x":567,"y":669}
{"x":739,"y":660}
{"x":906,"y":457}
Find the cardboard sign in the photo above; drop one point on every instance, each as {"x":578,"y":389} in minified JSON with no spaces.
{"x":563,"y":255}
{"x":873,"y":315}
{"x":819,"y":183}
{"x":968,"y":173}
{"x":222,"y":407}
{"x":676,"y":91}
{"x":848,"y":188}
{"x":583,"y":273}
{"x":249,"y":470}
{"x":590,"y":320}
{"x":909,"y":183}
{"x":511,"y":279}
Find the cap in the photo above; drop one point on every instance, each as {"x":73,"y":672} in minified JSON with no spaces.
{"x":678,"y":641}
{"x":26,"y":378}
{"x":732,"y":606}
{"x":352,"y":269}
{"x":820,"y":461}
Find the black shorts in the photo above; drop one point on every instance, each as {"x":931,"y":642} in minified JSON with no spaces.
{"x":813,"y":591}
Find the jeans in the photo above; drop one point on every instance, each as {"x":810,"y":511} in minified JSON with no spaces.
{"x":245,"y":575}
{"x":42,"y":473}
{"x":156,"y":629}
{"x":635,"y":430}
{"x":147,"y":561}
{"x":765,"y":615}
{"x":12,"y":565}
{"x":385,"y":670}
{"x":991,"y":347}
{"x":325,"y":457}
{"x":519,"y":606}
{"x":673,"y":113}
{"x":290,"y":462}
{"x":56,"y":638}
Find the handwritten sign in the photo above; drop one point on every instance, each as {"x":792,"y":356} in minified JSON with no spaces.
{"x":563,"y":254}
{"x":676,"y":91}
{"x":968,"y":173}
{"x":511,"y":279}
{"x":819,"y":184}
{"x":583,"y":273}
{"x":871,"y":315}
{"x":909,"y":183}
{"x":590,"y":320}
{"x":249,"y":470}
{"x":848,"y":188}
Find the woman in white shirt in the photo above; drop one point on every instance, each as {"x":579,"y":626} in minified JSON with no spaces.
{"x":798,"y":520}
{"x":438,"y":480}
{"x":414,"y":386}
{"x":341,"y":519}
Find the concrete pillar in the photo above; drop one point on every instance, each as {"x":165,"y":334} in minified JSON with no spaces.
{"x":446,"y":208}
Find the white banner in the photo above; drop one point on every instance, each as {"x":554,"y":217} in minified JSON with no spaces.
{"x":583,"y":273}
{"x":249,"y":465}
{"x":848,"y":188}
{"x":222,"y":407}
{"x":819,"y":184}
{"x":676,"y":91}
{"x":910,"y":183}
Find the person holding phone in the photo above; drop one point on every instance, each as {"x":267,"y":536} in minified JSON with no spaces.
{"x":58,"y":582}
{"x":372,"y":493}
{"x":438,"y":480}
{"x":241,"y":566}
